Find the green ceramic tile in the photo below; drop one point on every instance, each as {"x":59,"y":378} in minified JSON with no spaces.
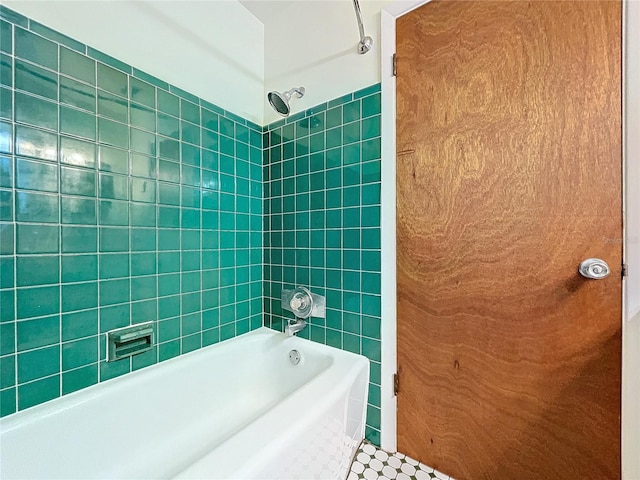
{"x":371,"y":149}
{"x":168,"y":262}
{"x":8,"y":327}
{"x":37,"y":270}
{"x":114,"y":265}
{"x":113,"y":133}
{"x":78,"y":123}
{"x":36,"y":207}
{"x":113,"y":159}
{"x":36,"y":80}
{"x":143,"y":288}
{"x":114,"y":239}
{"x":169,"y":149}
{"x":168,"y":103}
{"x":6,"y":205}
{"x":79,"y":353}
{"x":142,"y":92}
{"x":142,"y":215}
{"x":77,"y":94}
{"x":169,"y":350}
{"x":79,"y":239}
{"x":79,"y":296}
{"x":144,"y":359}
{"x":169,"y":217}
{"x":79,"y":324}
{"x":6,"y":103}
{"x":168,"y":194}
{"x":371,"y":105}
{"x":79,"y":268}
{"x":109,"y":370}
{"x":79,"y":378}
{"x":143,"y":166}
{"x":113,"y":186}
{"x":143,"y":239}
{"x":7,"y":246}
{"x":77,"y":181}
{"x":168,"y":126}
{"x":79,"y":211}
{"x":143,"y":190}
{"x":371,"y":172}
{"x":116,"y":316}
{"x":36,"y":49}
{"x":35,"y":111}
{"x":39,"y":332}
{"x":7,"y":401}
{"x":6,"y":137}
{"x":38,"y":363}
{"x":36,"y":143}
{"x":191,"y":134}
{"x":37,"y":238}
{"x":112,"y":80}
{"x":114,"y":291}
{"x":169,"y":171}
{"x":31,"y":175}
{"x":114,"y":212}
{"x":77,"y":152}
{"x":6,"y":70}
{"x":190,"y":112}
{"x":77,"y":66}
{"x":143,"y":142}
{"x":190,"y":154}
{"x":142,"y":117}
{"x":371,"y":127}
{"x":6,"y":37}
{"x":168,"y":329}
{"x":38,"y":392}
{"x":210,"y":120}
{"x":35,"y":302}
{"x":8,"y":371}
{"x":6,"y":272}
{"x":112,"y":106}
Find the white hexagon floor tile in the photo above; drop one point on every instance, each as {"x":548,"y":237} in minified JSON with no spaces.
{"x":371,"y":463}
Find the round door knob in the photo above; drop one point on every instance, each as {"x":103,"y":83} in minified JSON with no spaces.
{"x":594,"y":268}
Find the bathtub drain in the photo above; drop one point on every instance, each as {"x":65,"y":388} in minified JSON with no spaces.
{"x":294,"y":357}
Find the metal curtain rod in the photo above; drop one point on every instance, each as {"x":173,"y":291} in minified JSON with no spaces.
{"x":366,"y":42}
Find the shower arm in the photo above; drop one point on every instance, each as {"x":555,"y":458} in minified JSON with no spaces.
{"x":366,"y":42}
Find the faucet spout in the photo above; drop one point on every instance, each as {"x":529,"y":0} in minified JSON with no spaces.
{"x":294,"y":327}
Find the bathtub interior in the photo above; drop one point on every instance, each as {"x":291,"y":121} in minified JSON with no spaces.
{"x":156,"y":422}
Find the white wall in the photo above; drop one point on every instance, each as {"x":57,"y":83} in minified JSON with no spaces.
{"x":631,"y":326}
{"x":211,"y":48}
{"x":313,"y":44}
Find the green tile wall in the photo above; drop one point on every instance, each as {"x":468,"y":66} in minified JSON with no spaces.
{"x":322,"y":224}
{"x":122,"y":200}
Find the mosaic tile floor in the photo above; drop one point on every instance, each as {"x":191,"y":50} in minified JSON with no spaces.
{"x":372,"y":463}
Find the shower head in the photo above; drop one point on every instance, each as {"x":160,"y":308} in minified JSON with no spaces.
{"x":280,"y":101}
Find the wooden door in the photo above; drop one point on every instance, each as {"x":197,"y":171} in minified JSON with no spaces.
{"x":508,"y":176}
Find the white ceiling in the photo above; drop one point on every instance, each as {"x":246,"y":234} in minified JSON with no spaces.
{"x":266,"y":10}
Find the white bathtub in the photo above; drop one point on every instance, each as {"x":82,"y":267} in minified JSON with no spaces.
{"x":238,"y":409}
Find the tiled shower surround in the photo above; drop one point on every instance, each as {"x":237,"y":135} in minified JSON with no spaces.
{"x":124,"y":199}
{"x":322,"y":224}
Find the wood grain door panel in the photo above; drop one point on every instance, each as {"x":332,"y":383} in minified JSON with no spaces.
{"x":508,"y":176}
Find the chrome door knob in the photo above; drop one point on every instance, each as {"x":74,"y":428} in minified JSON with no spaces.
{"x":594,"y":268}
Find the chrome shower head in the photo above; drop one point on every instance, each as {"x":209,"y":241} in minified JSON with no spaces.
{"x":280,"y":101}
